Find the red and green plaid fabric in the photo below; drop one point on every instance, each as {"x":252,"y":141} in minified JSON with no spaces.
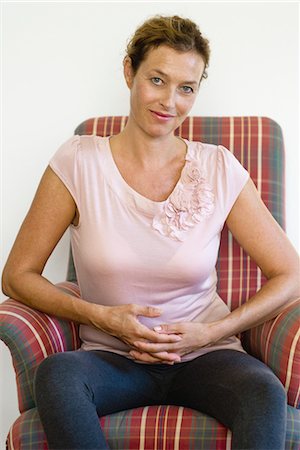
{"x":150,"y":428}
{"x":31,"y":335}
{"x":277,"y":344}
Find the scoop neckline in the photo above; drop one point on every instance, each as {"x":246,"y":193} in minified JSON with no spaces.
{"x":122,"y":183}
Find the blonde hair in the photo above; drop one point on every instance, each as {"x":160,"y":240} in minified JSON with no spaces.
{"x":176,"y":32}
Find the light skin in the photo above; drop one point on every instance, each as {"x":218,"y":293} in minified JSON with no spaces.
{"x":166,"y":83}
{"x":162,"y":93}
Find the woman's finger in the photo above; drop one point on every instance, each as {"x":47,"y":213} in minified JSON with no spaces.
{"x":152,"y":336}
{"x":150,"y":347}
{"x":161,"y":358}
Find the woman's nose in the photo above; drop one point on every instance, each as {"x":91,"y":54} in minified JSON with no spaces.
{"x":168,"y":99}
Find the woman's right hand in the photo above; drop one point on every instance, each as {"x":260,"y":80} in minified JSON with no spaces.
{"x":123,"y":323}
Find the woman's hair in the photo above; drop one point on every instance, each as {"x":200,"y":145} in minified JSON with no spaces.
{"x":176,"y":32}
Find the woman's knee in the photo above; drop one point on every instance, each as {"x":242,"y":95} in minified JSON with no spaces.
{"x":268,"y":390}
{"x":263,"y":393}
{"x":56,"y":373}
{"x":254,"y":385}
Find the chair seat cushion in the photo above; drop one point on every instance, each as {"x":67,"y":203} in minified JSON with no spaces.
{"x":154,"y":427}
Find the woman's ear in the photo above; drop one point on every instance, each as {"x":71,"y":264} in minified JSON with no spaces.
{"x":128,"y":71}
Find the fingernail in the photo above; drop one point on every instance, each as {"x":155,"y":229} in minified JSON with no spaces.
{"x":158,"y":328}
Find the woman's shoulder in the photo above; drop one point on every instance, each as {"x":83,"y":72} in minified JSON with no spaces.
{"x":209,"y":152}
{"x":81,"y":145}
{"x":205,"y":151}
{"x":90,"y":142}
{"x":215,"y":160}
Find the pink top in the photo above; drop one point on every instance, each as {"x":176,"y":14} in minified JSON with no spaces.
{"x":129,"y":249}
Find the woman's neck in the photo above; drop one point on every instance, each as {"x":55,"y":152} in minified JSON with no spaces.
{"x":147,"y":151}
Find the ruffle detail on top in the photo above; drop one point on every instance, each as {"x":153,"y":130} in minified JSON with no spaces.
{"x":191,"y":202}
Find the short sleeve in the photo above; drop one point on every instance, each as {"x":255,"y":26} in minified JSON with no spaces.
{"x":232,"y":177}
{"x":65,"y":165}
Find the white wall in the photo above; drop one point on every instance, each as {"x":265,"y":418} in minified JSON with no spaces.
{"x":62,"y":63}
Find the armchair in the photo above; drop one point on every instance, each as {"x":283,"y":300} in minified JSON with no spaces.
{"x":31,"y":335}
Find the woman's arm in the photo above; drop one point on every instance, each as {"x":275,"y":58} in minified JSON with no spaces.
{"x":262,"y":238}
{"x":52,"y":211}
{"x":258,"y":233}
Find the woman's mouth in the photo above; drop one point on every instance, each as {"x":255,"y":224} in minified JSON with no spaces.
{"x":162,"y":116}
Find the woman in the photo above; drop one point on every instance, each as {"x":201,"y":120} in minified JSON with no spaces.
{"x":153,"y":327}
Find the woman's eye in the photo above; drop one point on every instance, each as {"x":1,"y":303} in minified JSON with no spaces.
{"x":156,"y":80}
{"x":187,"y":89}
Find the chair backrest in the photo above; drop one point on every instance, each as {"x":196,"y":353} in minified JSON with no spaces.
{"x":257,"y":142}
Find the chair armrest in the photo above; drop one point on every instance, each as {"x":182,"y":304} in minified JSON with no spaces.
{"x":31,"y":336}
{"x":277,"y":344}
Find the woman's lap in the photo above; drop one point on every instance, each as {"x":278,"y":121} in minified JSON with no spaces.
{"x":238,"y":390}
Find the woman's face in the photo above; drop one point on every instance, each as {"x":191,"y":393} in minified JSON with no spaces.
{"x":164,"y":89}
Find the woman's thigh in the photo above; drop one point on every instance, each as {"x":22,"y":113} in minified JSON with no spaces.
{"x":110,"y":381}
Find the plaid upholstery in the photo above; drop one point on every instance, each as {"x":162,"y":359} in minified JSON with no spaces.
{"x":277,"y":344}
{"x":31,"y":336}
{"x":257,"y":142}
{"x":153,"y":427}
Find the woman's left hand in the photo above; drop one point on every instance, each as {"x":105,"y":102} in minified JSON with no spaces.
{"x":193,"y":335}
